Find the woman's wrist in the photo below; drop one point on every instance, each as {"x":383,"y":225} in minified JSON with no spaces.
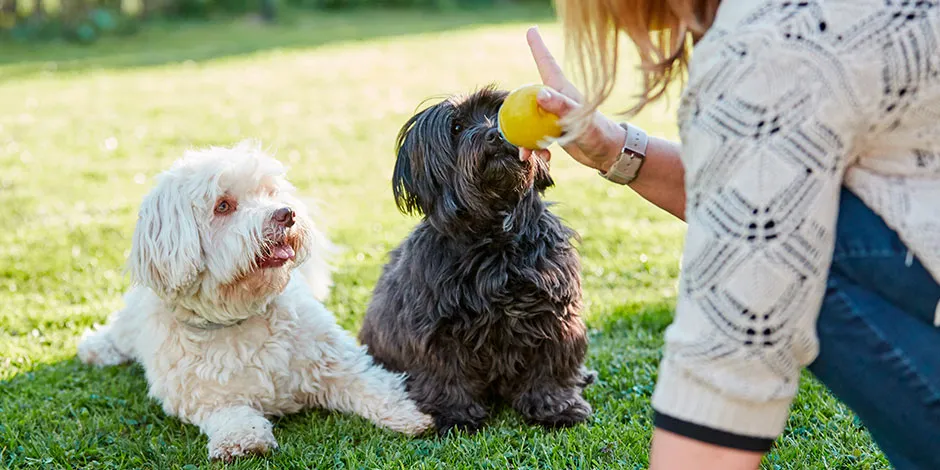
{"x":661,"y":179}
{"x":672,"y":451}
{"x":617,"y":136}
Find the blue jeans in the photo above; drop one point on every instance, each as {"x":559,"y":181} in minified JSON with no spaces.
{"x":878,"y":349}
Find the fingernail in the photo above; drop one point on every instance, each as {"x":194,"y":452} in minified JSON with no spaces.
{"x":544,"y":95}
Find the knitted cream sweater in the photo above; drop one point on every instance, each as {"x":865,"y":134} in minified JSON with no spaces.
{"x":786,"y":102}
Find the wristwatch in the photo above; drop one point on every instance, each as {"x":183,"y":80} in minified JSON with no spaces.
{"x":631,"y":157}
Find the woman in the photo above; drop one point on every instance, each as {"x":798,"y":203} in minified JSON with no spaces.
{"x":808,"y":128}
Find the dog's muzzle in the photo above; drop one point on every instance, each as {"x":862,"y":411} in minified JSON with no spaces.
{"x":497,"y":145}
{"x":278,"y":251}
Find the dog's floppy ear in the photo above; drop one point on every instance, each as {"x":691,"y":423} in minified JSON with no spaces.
{"x":166,"y":254}
{"x":425,"y":161}
{"x":403,"y":182}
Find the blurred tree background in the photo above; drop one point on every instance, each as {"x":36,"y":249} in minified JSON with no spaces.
{"x":85,"y":21}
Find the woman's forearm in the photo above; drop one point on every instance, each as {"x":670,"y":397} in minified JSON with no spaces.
{"x":661,"y":180}
{"x":674,"y":452}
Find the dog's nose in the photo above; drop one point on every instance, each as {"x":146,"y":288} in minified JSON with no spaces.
{"x":492,"y":136}
{"x":284,"y":217}
{"x":496,"y":144}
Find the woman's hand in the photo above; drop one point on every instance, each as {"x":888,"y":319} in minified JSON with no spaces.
{"x":600,"y":144}
{"x":662,"y":180}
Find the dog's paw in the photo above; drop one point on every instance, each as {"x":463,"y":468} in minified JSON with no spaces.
{"x":561,"y":408}
{"x":413,"y":423}
{"x":588,"y":377}
{"x":255,"y":439}
{"x":468,"y":420}
{"x":96,"y":348}
{"x":577,"y":411}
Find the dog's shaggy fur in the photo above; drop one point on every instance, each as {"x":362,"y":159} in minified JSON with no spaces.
{"x":482,"y":300}
{"x":227,"y":330}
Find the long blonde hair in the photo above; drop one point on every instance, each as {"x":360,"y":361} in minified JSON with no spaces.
{"x":662,"y":31}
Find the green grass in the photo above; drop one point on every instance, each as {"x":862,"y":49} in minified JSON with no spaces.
{"x":81,"y":139}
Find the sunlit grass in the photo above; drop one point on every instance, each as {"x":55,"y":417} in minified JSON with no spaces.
{"x":83,"y":131}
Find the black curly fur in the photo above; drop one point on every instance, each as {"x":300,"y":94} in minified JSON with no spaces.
{"x":481,"y":302}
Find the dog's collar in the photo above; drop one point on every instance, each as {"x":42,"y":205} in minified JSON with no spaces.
{"x":203,"y":324}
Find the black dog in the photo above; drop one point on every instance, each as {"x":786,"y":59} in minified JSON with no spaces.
{"x":482,"y":300}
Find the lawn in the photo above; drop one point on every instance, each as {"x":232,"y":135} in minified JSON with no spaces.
{"x":84,"y":130}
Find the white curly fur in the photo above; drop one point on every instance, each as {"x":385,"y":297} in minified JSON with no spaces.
{"x":225,"y":342}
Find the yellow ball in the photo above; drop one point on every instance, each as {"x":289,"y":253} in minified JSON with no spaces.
{"x":523,"y":123}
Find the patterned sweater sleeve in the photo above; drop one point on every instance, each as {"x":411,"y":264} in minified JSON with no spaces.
{"x":767,"y":122}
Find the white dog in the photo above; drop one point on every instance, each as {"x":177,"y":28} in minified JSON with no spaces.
{"x":226,"y":329}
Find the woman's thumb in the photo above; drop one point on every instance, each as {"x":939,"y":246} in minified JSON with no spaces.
{"x":555,"y":102}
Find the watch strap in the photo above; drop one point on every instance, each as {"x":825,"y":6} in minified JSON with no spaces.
{"x":627,"y":166}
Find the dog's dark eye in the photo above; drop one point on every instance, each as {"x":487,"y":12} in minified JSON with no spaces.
{"x":457,"y":128}
{"x":224,"y":207}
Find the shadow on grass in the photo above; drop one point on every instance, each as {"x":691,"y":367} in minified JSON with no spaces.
{"x":175,"y":42}
{"x":67,"y":415}
{"x":70,"y":415}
